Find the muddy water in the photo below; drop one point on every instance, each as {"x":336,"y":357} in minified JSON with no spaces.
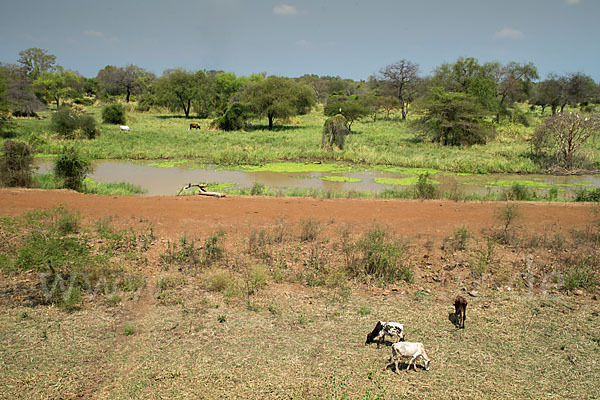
{"x":167,"y":181}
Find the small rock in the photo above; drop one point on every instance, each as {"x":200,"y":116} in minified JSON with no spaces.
{"x":474,"y":293}
{"x":577,"y":292}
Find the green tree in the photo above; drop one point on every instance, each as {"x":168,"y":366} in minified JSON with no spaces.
{"x":513,"y":83}
{"x":352,"y":108}
{"x":466,"y":75}
{"x":177,"y":89}
{"x":455,"y":119}
{"x":277,"y":97}
{"x":71,"y":168}
{"x":549,"y":93}
{"x":126,"y":81}
{"x":58,"y":85}
{"x":35,"y":61}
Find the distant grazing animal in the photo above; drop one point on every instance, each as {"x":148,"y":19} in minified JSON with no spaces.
{"x":460,"y":310}
{"x":125,"y":128}
{"x":385,"y":328}
{"x":194,"y":126}
{"x":413,"y":350}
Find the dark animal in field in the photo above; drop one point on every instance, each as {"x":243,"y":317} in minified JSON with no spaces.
{"x":460,"y":311}
{"x":385,"y":328}
{"x":194,"y":126}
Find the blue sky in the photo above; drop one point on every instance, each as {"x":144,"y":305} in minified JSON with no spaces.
{"x":349,"y":38}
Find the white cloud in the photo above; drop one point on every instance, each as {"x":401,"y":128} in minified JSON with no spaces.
{"x":93,"y":33}
{"x":508,"y":33}
{"x":304,"y":43}
{"x":102,"y":36}
{"x":285,"y":9}
{"x":572,"y":2}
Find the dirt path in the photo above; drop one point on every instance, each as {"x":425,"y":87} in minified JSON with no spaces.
{"x":172,"y":216}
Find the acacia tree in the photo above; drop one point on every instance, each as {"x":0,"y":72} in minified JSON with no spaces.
{"x":402,"y":76}
{"x":352,"y":108}
{"x":455,"y":119}
{"x":176,"y":89}
{"x":124,"y":80}
{"x":277,"y":97}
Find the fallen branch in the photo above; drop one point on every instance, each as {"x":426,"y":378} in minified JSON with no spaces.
{"x":202,"y":191}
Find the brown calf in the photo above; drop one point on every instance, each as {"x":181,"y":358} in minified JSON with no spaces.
{"x":460,"y":310}
{"x":194,"y":126}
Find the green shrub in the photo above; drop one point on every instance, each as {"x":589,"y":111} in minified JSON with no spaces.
{"x":213,"y":251}
{"x":87,"y":124}
{"x":424,"y":189}
{"x":65,"y":122}
{"x":592,"y":195}
{"x":580,"y":276}
{"x":310,"y":230}
{"x":71,"y":168}
{"x":381,"y":258}
{"x":234,"y":118}
{"x":16,"y":164}
{"x":518,"y":192}
{"x":114,"y":114}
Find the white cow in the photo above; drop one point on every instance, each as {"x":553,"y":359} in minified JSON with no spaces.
{"x":413,"y":350}
{"x":125,"y":128}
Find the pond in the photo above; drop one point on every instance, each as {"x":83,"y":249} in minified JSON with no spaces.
{"x":165,"y":178}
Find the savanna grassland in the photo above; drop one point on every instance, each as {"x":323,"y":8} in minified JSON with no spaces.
{"x":254,"y":297}
{"x":391,"y":142}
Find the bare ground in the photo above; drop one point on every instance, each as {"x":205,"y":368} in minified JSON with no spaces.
{"x":293,"y":341}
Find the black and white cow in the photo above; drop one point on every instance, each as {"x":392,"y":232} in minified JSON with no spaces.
{"x":385,"y":328}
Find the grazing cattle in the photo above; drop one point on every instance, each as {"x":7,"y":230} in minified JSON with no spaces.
{"x":413,"y":350}
{"x":385,"y":328}
{"x":460,"y":311}
{"x":125,"y":128}
{"x":194,"y":126}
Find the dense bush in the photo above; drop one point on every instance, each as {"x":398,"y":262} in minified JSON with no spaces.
{"x":234,"y":118}
{"x":71,"y":168}
{"x":114,"y":114}
{"x":334,"y":132}
{"x":455,"y":119}
{"x":425,"y":189}
{"x":16,"y":164}
{"x":381,"y":258}
{"x":588,"y":195}
{"x":87,"y":124}
{"x":71,"y":125}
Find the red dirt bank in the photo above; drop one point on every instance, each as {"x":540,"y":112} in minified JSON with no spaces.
{"x":195,"y":215}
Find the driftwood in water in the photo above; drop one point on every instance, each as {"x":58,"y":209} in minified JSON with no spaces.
{"x":202,"y":191}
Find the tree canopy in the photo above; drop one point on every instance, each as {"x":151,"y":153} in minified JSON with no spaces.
{"x":277,"y":97}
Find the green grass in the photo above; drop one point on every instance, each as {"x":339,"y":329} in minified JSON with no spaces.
{"x":347,"y":179}
{"x":409,"y":181}
{"x":90,"y":186}
{"x":385,"y":144}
